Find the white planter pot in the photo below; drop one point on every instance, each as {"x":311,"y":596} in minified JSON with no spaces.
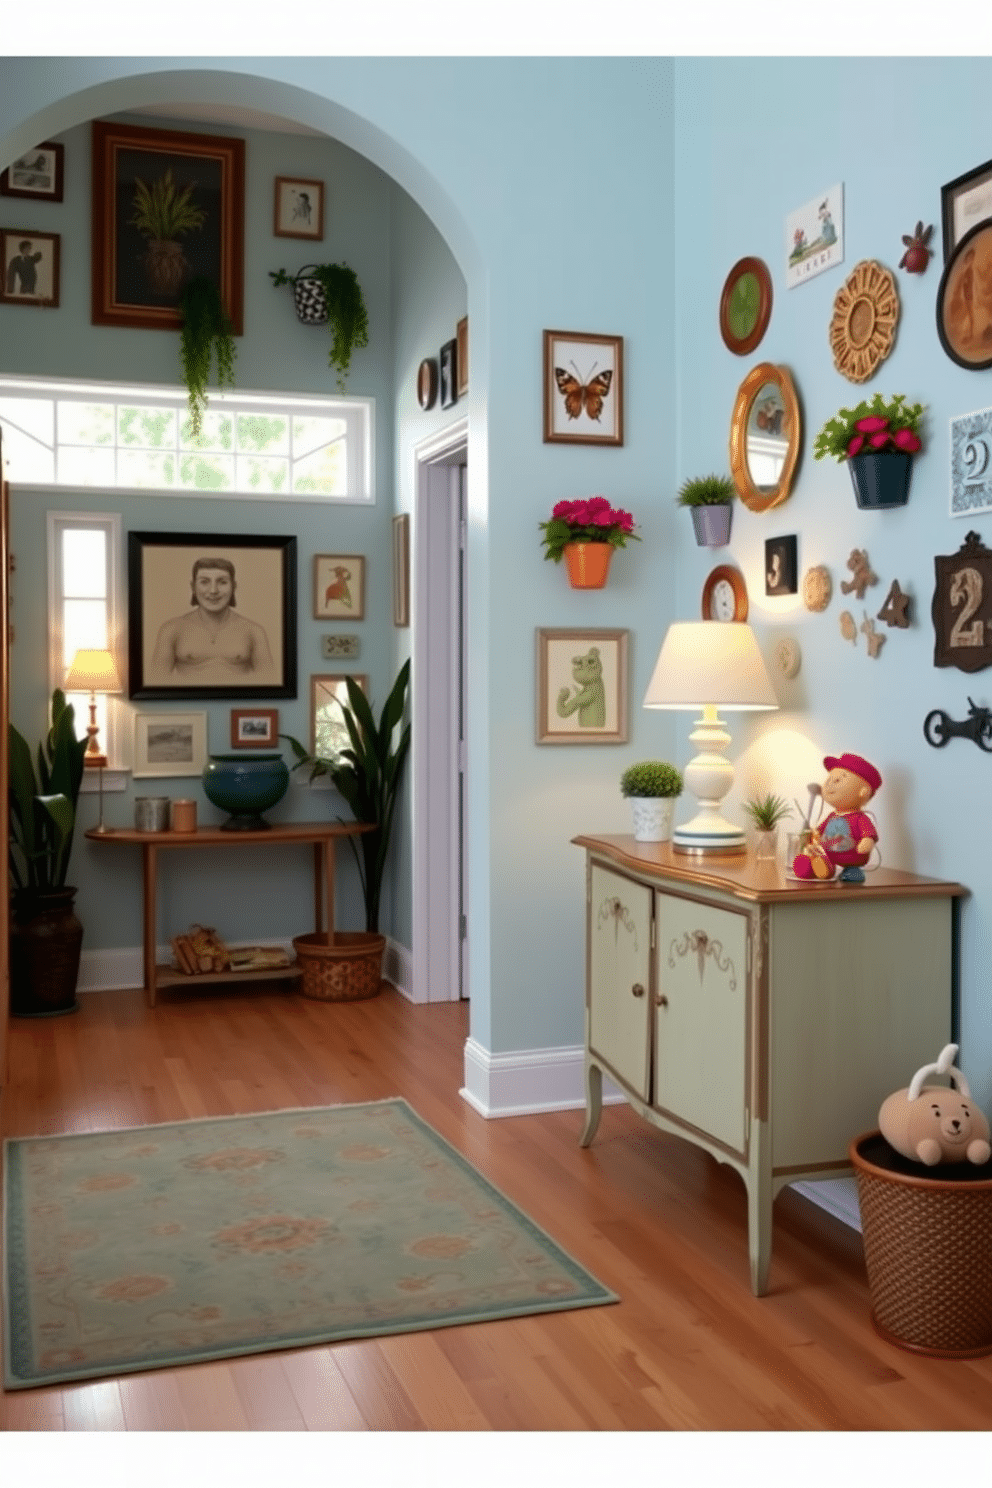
{"x":652,"y":817}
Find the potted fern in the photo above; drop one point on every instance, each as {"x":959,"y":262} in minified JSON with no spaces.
{"x":651,"y":787}
{"x":207,"y":333}
{"x":709,"y":499}
{"x":330,"y":294}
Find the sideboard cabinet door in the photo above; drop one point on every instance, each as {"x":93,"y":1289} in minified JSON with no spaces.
{"x":701,"y":1017}
{"x":619,"y":1001}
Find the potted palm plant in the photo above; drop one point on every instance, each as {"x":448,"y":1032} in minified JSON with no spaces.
{"x":878,"y":439}
{"x":163,"y":213}
{"x":45,"y":935}
{"x":651,"y":787}
{"x":347,"y":966}
{"x":709,"y":499}
{"x":330,"y":294}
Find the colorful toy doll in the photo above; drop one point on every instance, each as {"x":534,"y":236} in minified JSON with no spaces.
{"x":843,"y":840}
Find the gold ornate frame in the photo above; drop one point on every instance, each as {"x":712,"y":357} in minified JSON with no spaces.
{"x":753,"y":498}
{"x":866,"y":314}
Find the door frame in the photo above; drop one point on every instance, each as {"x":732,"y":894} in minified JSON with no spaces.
{"x":437,"y":953}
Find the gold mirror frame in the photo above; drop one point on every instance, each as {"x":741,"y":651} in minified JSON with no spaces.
{"x":753,"y":498}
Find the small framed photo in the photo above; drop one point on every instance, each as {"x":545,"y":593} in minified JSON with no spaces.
{"x":37,"y":174}
{"x":169,"y":744}
{"x":328,"y":730}
{"x":964,"y":203}
{"x":30,"y":268}
{"x":582,"y":686}
{"x":401,"y":569}
{"x":299,"y":208}
{"x":781,"y":567}
{"x":971,"y":463}
{"x":254,"y":728}
{"x":583,"y":388}
{"x":338,"y":586}
{"x":449,"y":373}
{"x":461,"y":337}
{"x":814,"y":237}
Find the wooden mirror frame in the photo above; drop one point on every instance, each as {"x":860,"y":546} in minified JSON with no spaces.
{"x":749,"y":389}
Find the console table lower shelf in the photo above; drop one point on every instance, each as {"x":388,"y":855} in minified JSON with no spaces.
{"x":322,"y":836}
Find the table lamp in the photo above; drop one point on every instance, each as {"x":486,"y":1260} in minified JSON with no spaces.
{"x":709,"y":665}
{"x":93,"y":672}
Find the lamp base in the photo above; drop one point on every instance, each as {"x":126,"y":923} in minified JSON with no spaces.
{"x":708,"y":834}
{"x":709,"y":775}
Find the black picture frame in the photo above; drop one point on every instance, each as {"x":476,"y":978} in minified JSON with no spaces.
{"x":37,"y":175}
{"x":781,"y":566}
{"x":970,"y":184}
{"x":30,"y":268}
{"x":162,"y":568}
{"x":964,"y":324}
{"x":449,"y":373}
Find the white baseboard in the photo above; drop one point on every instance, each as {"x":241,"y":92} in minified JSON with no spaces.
{"x":527,"y":1081}
{"x":839,"y":1196}
{"x":397,"y":968}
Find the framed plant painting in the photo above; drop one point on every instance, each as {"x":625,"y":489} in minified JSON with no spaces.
{"x":36,"y":175}
{"x":30,"y":264}
{"x":169,"y":744}
{"x":582,"y":686}
{"x":211,"y":615}
{"x":254,"y":728}
{"x":167,"y":207}
{"x":328,"y":730}
{"x":583,"y":388}
{"x":338,"y":586}
{"x":814,"y":237}
{"x":964,"y":203}
{"x":299,"y":209}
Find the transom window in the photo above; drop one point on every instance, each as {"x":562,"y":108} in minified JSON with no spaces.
{"x":137,"y":438}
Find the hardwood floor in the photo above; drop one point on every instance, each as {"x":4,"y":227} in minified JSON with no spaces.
{"x":687,"y":1349}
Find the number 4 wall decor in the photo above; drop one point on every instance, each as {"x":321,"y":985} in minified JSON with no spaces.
{"x":962,"y":607}
{"x":971,"y":463}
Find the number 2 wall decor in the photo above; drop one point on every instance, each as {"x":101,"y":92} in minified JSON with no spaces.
{"x":962,"y":607}
{"x":971,"y":463}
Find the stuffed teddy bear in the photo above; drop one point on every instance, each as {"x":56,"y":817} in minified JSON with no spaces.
{"x":934,"y":1123}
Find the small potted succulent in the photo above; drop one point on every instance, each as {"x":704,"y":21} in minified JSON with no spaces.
{"x":709,"y":499}
{"x":586,"y":533}
{"x":766,"y":812}
{"x":878,"y":439}
{"x":651,"y":787}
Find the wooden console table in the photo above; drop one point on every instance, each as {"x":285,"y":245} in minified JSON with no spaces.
{"x":762,"y":1018}
{"x":323,"y":836}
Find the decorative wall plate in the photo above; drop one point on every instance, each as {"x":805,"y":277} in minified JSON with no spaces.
{"x":427,"y":383}
{"x":964,"y":317}
{"x":788,"y":657}
{"x":725,"y":595}
{"x":817,"y":588}
{"x":866,"y":313}
{"x":745,"y":305}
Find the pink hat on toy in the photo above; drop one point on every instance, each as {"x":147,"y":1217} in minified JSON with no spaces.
{"x":857,"y":766}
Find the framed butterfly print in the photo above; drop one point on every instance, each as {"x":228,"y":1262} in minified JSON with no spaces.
{"x":583,"y":388}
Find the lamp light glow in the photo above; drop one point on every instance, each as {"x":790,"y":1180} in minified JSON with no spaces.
{"x":93,"y":671}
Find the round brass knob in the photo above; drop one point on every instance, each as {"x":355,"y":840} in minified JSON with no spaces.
{"x":638,"y":989}
{"x":661,"y":1000}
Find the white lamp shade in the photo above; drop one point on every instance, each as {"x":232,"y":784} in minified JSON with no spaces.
{"x":93,"y":671}
{"x":710,"y":663}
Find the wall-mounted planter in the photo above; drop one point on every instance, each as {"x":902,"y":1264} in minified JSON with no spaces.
{"x":587,"y":564}
{"x":881,"y":478}
{"x":712,"y":525}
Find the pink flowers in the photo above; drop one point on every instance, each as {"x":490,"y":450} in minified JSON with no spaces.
{"x":874,"y":434}
{"x":591,"y":519}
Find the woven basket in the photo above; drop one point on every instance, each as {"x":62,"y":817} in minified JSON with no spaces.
{"x":343,"y":967}
{"x":928,"y":1252}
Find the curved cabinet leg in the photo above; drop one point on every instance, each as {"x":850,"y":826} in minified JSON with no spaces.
{"x":760,"y":1198}
{"x":594,"y":1102}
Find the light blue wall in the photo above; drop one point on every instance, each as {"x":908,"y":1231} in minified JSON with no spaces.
{"x":546,"y":235}
{"x":735,"y":182}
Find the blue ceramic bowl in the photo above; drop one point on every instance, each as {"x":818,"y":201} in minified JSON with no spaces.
{"x":245,"y":786}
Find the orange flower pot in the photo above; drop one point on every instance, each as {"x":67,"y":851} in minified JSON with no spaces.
{"x":588,"y":564}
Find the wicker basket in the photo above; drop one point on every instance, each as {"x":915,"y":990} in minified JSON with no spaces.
{"x":345,"y":966}
{"x":928,"y":1251}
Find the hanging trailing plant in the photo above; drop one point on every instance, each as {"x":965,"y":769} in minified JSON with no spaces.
{"x":206,"y":333}
{"x":331,"y":294}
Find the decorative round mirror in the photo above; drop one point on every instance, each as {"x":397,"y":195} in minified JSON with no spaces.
{"x":765,"y":436}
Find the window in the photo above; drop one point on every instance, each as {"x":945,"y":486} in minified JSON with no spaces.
{"x":83,"y":555}
{"x":137,"y":438}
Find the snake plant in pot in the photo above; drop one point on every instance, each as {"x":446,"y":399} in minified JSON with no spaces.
{"x":45,"y":937}
{"x":368,"y":776}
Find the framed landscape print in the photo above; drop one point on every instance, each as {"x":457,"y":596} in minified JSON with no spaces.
{"x":169,"y":744}
{"x":30,"y":262}
{"x":254,"y":728}
{"x":211,"y":615}
{"x":583,"y":388}
{"x":167,"y":207}
{"x":328,"y":730}
{"x":299,"y":209}
{"x":36,"y":175}
{"x":338,"y":586}
{"x":582,"y":686}
{"x":814,"y":237}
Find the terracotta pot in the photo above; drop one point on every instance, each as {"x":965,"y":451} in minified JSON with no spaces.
{"x":588,"y":564}
{"x":881,"y":478}
{"x":46,"y":940}
{"x":711,"y":525}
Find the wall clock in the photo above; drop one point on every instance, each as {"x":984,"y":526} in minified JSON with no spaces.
{"x":725,"y":595}
{"x":745,"y":305}
{"x":866,"y":313}
{"x":962,"y":607}
{"x":427,"y":383}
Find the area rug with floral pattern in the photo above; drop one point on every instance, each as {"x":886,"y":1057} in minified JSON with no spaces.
{"x":164,"y":1245}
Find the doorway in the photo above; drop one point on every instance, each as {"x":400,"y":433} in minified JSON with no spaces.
{"x":439,"y":744}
